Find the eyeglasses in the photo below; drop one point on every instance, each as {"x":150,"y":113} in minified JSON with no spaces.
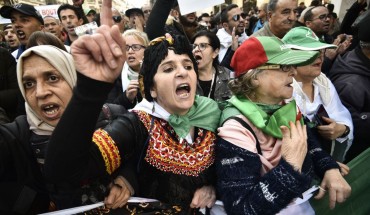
{"x":135,"y":47}
{"x":201,"y":46}
{"x":117,"y":19}
{"x":322,"y":17}
{"x":236,"y":17}
{"x":147,"y":11}
{"x":285,"y":68}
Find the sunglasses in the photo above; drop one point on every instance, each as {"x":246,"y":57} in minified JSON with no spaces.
{"x":117,"y":19}
{"x":237,"y":17}
{"x":284,"y":68}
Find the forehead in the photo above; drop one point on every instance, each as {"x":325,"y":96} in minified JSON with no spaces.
{"x":205,"y":18}
{"x":116,"y":13}
{"x":286,"y":4}
{"x":131,"y":39}
{"x":42,"y":66}
{"x":234,"y":11}
{"x":67,"y":12}
{"x":50,"y":20}
{"x":173,"y":57}
{"x":319,"y":10}
{"x":202,"y":39}
{"x":147,"y":7}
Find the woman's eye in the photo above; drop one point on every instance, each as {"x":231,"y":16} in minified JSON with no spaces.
{"x":28,"y":84}
{"x":188,"y":67}
{"x":167,"y":70}
{"x":53,"y":78}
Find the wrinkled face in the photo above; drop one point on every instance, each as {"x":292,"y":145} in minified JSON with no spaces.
{"x":11,"y":38}
{"x":46,"y":91}
{"x":232,"y":22}
{"x":175,"y":84}
{"x":283,"y":18}
{"x":69,"y":21}
{"x":53,"y":26}
{"x":134,"y":57}
{"x":204,"y":57}
{"x":310,"y":72}
{"x":24,"y":26}
{"x":274,"y":86}
{"x":320,"y":22}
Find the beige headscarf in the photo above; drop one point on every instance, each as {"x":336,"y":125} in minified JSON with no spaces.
{"x":63,"y":62}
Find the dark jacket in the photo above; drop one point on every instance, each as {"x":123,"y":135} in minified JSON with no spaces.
{"x":8,"y":84}
{"x":222,"y":91}
{"x":350,"y":75}
{"x":22,"y":185}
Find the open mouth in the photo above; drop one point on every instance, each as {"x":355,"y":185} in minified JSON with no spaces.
{"x":21,"y":35}
{"x":183,"y":90}
{"x":198,"y":58}
{"x":50,"y":111}
{"x":130,"y":59}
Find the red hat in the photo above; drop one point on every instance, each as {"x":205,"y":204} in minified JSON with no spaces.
{"x":257,"y":51}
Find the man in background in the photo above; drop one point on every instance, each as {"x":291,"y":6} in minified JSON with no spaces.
{"x":52,"y":25}
{"x":10,"y":37}
{"x":25,"y":20}
{"x":70,"y":18}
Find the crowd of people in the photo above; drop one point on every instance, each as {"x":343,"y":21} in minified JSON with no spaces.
{"x":247,"y":107}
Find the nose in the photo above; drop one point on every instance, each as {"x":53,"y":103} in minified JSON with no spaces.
{"x":181,"y":72}
{"x":293,"y":72}
{"x":42,"y":91}
{"x":292,"y":16}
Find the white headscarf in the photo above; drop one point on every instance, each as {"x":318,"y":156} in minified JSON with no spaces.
{"x":63,"y":62}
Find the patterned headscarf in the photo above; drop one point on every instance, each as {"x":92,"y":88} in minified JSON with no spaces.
{"x":63,"y":62}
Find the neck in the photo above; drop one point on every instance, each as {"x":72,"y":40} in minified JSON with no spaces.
{"x":206,"y":73}
{"x":72,"y":37}
{"x":277,"y":34}
{"x":307,"y":87}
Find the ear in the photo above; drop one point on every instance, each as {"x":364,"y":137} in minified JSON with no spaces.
{"x":255,"y":82}
{"x":225,"y":25}
{"x":269,"y":14}
{"x":80,"y":22}
{"x":215,"y":53}
{"x":153,"y":93}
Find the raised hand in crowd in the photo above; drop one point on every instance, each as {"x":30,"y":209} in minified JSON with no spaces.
{"x":132,"y":90}
{"x":101,"y":56}
{"x":235,"y":41}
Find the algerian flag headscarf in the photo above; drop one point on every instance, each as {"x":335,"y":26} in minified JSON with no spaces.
{"x":63,"y":62}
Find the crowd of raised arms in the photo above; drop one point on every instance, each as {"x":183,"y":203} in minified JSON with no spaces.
{"x":150,"y":111}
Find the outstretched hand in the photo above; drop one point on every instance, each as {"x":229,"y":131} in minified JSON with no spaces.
{"x":101,"y":56}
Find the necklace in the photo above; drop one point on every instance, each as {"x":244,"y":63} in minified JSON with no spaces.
{"x":213,"y":81}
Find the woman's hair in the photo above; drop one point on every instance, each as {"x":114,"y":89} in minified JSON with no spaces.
{"x":156,"y":52}
{"x":139,"y":35}
{"x":213,"y":41}
{"x":243,"y":85}
{"x":44,"y":38}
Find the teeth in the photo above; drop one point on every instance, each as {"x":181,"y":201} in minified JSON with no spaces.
{"x":183,"y":85}
{"x":49,"y":106}
{"x":184,"y":95}
{"x":53,"y":111}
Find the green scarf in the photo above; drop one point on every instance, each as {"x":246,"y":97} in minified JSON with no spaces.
{"x":203,"y":114}
{"x":268,"y":123}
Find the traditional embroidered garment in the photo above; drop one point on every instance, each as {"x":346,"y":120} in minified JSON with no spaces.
{"x":166,"y":153}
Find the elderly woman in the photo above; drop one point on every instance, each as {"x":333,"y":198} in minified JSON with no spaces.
{"x":212,"y":78}
{"x":312,"y":89}
{"x":136,"y":42}
{"x":46,"y":76}
{"x":166,"y":143}
{"x":264,"y":159}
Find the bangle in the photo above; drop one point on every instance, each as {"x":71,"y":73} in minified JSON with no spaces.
{"x":346,"y":132}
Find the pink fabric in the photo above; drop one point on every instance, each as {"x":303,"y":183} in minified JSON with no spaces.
{"x":236,"y":134}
